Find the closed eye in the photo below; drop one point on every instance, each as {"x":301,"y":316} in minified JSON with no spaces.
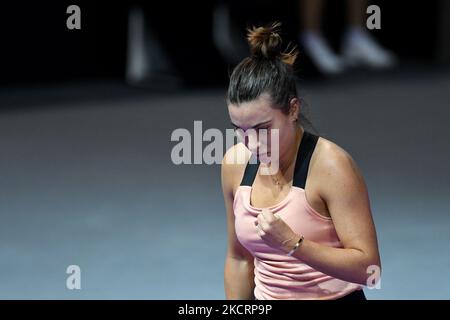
{"x":256,"y":127}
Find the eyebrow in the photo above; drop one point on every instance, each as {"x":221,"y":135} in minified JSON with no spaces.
{"x":257,"y":125}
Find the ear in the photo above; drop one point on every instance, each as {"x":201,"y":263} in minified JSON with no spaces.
{"x":294,"y":108}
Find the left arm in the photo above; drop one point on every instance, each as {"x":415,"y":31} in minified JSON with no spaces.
{"x":345,"y":193}
{"x":346,"y":196}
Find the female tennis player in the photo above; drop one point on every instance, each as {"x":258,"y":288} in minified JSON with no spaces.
{"x":305,"y":231}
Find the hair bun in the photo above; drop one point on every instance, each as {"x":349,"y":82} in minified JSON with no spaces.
{"x":266,"y":42}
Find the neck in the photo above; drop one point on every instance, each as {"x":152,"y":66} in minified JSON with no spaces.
{"x":289,"y":157}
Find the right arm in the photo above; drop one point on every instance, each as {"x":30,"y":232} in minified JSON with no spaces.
{"x":238,"y":273}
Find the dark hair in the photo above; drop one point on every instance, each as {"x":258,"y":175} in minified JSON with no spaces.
{"x":269,"y":69}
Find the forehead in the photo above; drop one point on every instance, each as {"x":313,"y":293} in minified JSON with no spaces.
{"x":252,"y":112}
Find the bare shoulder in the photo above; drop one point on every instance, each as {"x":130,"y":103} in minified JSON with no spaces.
{"x":334,"y":167}
{"x":329,"y":153}
{"x":233,"y":166}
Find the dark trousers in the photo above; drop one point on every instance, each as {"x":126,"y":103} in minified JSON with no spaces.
{"x":355,"y":295}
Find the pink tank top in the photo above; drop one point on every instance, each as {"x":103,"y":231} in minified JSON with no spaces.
{"x":277,"y":275}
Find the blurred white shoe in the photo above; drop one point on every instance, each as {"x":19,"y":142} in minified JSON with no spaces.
{"x":359,"y":48}
{"x":321,"y":54}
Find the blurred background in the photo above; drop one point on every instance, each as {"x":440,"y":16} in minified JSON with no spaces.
{"x":86,"y":117}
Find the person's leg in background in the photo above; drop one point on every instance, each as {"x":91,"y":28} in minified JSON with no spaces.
{"x":148,"y":63}
{"x":313,"y":41}
{"x":358,"y":46}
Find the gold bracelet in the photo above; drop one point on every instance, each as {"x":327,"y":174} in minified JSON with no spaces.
{"x":286,"y":241}
{"x":299,"y":242}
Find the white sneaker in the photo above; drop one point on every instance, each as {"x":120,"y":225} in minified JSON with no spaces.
{"x":321,"y":54}
{"x":359,"y":48}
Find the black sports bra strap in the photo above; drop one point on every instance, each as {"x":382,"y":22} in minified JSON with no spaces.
{"x":307,"y":145}
{"x":250,"y":171}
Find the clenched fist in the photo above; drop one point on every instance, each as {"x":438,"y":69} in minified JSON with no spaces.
{"x":275,"y":232}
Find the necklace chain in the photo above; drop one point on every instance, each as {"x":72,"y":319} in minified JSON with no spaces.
{"x":276,"y":180}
